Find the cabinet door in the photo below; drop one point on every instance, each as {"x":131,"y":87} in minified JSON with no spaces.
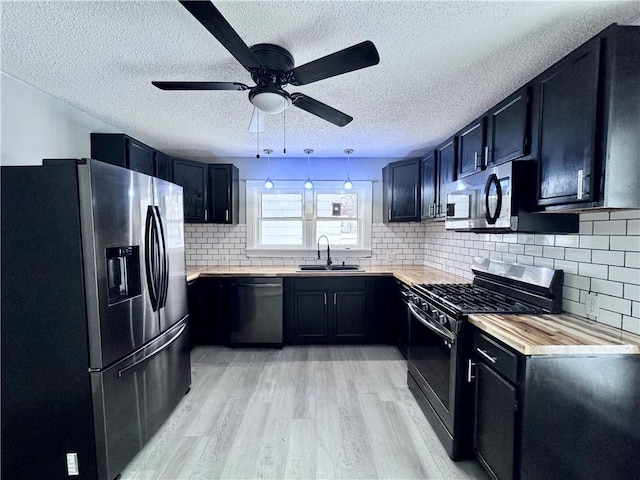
{"x":163,"y":166}
{"x":446,"y":158}
{"x":471,"y":151}
{"x":140,"y":158}
{"x":192,"y":176}
{"x":405,"y":191}
{"x":310,"y":317}
{"x":223,"y":193}
{"x":494,"y":434}
{"x":349,"y":316}
{"x":568,"y":103}
{"x":429,"y":183}
{"x":508,"y":129}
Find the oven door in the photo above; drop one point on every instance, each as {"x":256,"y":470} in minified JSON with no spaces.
{"x":433,"y":363}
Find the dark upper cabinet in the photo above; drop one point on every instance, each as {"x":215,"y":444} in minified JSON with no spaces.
{"x":508,"y":129}
{"x":163,"y":165}
{"x":124,"y":151}
{"x":401,"y":189}
{"x":446,"y":167}
{"x":192,"y":176}
{"x":210,"y":191}
{"x":587,"y":142}
{"x":429,"y":186}
{"x":472,"y":151}
{"x":568,"y":95}
{"x":224,"y":200}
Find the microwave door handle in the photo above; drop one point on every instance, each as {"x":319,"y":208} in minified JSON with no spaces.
{"x":492,"y":180}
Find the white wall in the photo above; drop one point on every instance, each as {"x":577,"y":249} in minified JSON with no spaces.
{"x":36,"y":125}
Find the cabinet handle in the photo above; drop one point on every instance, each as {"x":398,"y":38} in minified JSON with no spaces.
{"x":389,"y":216}
{"x":325,"y":299}
{"x":580,"y":178}
{"x":226,"y":215}
{"x":205,"y":214}
{"x":335,"y":298}
{"x":432,"y":210}
{"x":475,"y":160}
{"x":486,"y":356}
{"x":470,"y":366}
{"x":486,"y":156}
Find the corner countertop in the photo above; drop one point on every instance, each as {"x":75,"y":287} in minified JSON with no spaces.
{"x":407,"y":274}
{"x":558,"y":334}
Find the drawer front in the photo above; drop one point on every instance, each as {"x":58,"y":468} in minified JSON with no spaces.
{"x":501,"y":359}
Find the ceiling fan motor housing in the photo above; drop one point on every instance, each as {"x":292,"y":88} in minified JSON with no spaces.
{"x":276,"y":61}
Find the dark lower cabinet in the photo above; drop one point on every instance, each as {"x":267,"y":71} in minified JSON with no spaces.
{"x":207,"y":312}
{"x":554,"y":416}
{"x":494,"y":426}
{"x":326,"y":310}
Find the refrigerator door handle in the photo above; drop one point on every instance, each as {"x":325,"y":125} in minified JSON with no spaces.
{"x":149,"y":254}
{"x":158,"y":350}
{"x":164,"y":260}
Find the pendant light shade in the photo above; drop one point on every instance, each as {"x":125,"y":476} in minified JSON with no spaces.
{"x":308,"y":184}
{"x":347,"y":183}
{"x":268,"y":183}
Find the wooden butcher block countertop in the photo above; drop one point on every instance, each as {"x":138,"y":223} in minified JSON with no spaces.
{"x":558,"y":334}
{"x":407,"y":274}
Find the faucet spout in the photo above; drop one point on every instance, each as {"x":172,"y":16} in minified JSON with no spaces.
{"x":329,"y":262}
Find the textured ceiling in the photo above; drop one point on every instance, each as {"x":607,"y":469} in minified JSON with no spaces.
{"x":442,"y":64}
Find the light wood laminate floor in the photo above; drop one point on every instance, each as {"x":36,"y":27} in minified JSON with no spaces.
{"x":325,"y":412}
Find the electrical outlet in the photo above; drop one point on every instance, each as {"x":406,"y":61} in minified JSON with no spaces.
{"x":593,"y":305}
{"x":389,"y":257}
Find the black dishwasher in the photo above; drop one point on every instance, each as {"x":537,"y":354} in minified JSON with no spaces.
{"x":255,"y":312}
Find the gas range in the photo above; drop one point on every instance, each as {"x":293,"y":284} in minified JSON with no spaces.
{"x":438,"y":346}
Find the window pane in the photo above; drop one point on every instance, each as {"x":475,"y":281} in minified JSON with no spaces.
{"x":281,"y":232}
{"x":281,"y":205}
{"x":339,"y":232}
{"x":337,"y":205}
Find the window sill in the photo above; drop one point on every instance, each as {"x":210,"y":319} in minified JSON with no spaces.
{"x":308,"y":253}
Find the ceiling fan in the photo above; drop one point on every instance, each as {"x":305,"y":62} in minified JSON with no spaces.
{"x":272,"y":68}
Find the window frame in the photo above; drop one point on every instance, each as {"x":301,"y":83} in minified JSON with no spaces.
{"x":364,"y":190}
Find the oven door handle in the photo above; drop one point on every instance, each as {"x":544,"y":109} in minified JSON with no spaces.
{"x":431,"y":326}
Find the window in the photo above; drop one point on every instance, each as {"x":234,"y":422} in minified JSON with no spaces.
{"x":288,"y":220}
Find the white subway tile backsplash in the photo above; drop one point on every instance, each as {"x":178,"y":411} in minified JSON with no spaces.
{"x":631,"y":324}
{"x":610,"y":227}
{"x":613,"y":319}
{"x":593,"y":270}
{"x":607,"y":287}
{"x":607,"y":257}
{"x":576,"y":281}
{"x":586,"y":228}
{"x":624,"y":214}
{"x":600,"y":242}
{"x":577,"y":255}
{"x":628,"y":243}
{"x":615,"y":304}
{"x":632,"y":292}
{"x":594,"y":216}
{"x":553,"y":252}
{"x":568,"y":241}
{"x":633,"y":227}
{"x":626,"y":275}
{"x":545,"y":239}
{"x":566,"y":266}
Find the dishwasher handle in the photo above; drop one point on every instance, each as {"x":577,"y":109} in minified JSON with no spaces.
{"x":258,"y":285}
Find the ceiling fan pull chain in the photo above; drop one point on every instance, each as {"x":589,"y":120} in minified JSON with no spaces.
{"x":258,"y":136}
{"x":284,"y":130}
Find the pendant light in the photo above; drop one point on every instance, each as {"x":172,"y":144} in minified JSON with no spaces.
{"x":347,"y":183}
{"x":268,"y":183}
{"x":308,"y":184}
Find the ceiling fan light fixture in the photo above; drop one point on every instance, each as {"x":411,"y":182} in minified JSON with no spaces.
{"x":269,"y":99}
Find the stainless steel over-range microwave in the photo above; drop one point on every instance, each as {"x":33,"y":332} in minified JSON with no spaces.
{"x":502,"y":199}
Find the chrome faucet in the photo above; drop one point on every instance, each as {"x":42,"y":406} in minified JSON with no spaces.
{"x":329,"y":262}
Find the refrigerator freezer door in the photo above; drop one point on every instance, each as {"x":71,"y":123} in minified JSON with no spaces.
{"x":132,"y":398}
{"x":113,"y":207}
{"x":168,"y":199}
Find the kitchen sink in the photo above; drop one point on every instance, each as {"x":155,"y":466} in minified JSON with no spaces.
{"x":329,"y":268}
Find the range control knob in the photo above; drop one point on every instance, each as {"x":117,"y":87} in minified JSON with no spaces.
{"x":442,"y":319}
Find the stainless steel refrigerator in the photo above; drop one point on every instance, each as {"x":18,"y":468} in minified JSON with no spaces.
{"x":95,"y":351}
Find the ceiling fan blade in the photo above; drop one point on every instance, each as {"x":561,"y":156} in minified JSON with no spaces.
{"x":200,"y":86}
{"x":211,"y":18}
{"x":352,"y":58}
{"x":258,"y":120}
{"x":321,"y":110}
